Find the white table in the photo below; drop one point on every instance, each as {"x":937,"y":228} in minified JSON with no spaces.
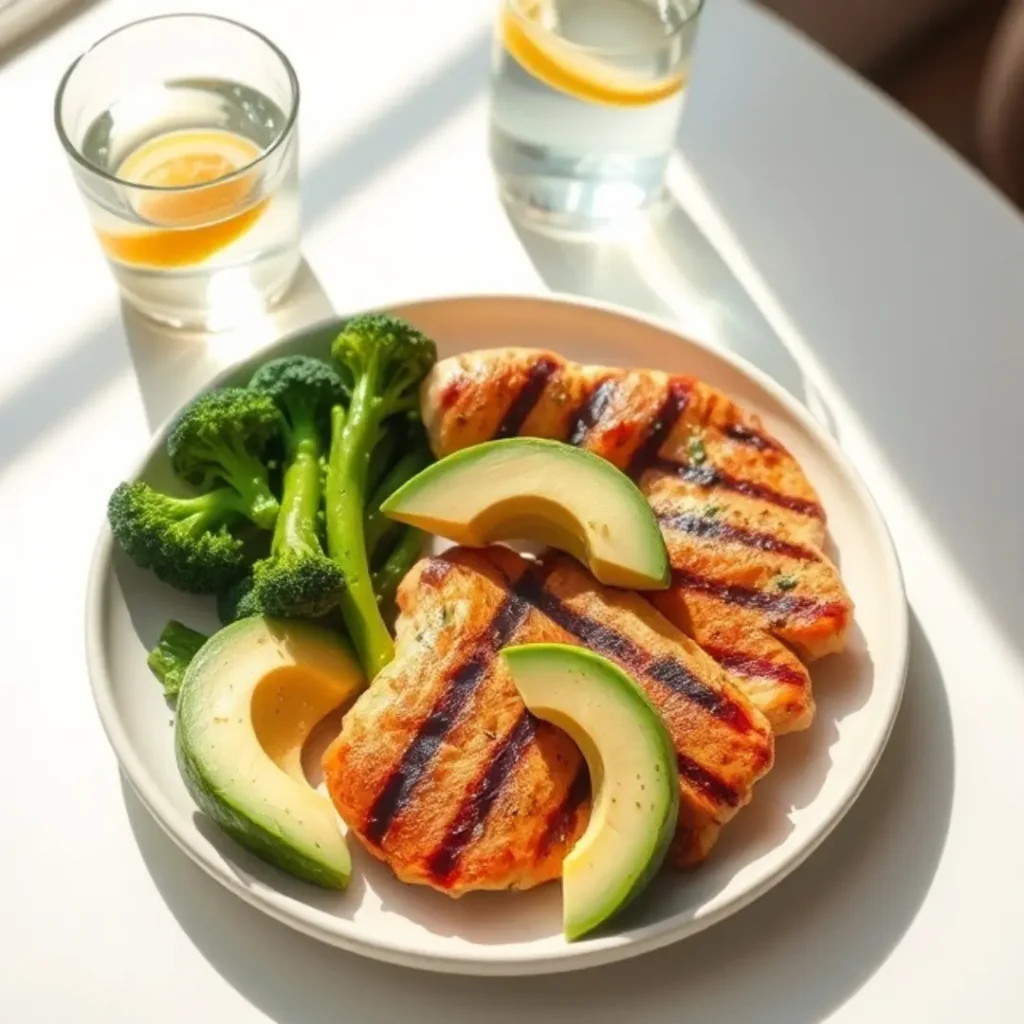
{"x":895,"y":280}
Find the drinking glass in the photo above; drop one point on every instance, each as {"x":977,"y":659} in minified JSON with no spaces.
{"x":586,"y":97}
{"x":181,"y":134}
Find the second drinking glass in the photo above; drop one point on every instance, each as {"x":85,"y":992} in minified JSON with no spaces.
{"x":586,"y":97}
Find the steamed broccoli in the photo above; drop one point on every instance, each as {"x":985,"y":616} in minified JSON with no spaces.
{"x":173,"y":653}
{"x":220,"y":438}
{"x":190,"y":543}
{"x":298,"y":580}
{"x":384,"y":537}
{"x":402,"y":557}
{"x":304,"y":390}
{"x":379,"y":529}
{"x":383,"y":455}
{"x":382,"y":361}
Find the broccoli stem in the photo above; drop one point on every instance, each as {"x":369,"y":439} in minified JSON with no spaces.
{"x":378,"y":526}
{"x":206,"y":512}
{"x":173,"y":654}
{"x":295,"y":529}
{"x":352,"y":438}
{"x":402,"y":557}
{"x":249,"y":477}
{"x":380,"y":461}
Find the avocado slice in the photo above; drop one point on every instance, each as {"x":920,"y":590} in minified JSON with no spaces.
{"x":526,"y":488}
{"x":249,"y":699}
{"x":633,"y":773}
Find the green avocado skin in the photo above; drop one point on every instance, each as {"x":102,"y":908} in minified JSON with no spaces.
{"x":264,"y":843}
{"x":612,"y":688}
{"x":602,"y":922}
{"x":259,"y":837}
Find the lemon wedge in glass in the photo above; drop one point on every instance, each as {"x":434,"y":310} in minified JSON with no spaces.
{"x":526,"y":30}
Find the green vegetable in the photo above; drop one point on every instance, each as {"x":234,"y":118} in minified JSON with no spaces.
{"x":304,"y":390}
{"x":198,"y":544}
{"x":298,"y":580}
{"x":384,"y":455}
{"x":254,"y":789}
{"x":633,"y":770}
{"x":221,"y":437}
{"x":382,"y":361}
{"x":192,"y":544}
{"x":786,"y":582}
{"x":175,"y":649}
{"x":378,"y":526}
{"x":402,"y":557}
{"x":236,"y":602}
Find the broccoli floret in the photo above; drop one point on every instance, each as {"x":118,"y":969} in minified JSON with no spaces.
{"x":298,"y":580}
{"x":220,"y":439}
{"x":190,"y":543}
{"x":304,"y":390}
{"x":382,"y":361}
{"x":296,"y":584}
{"x":174,"y":651}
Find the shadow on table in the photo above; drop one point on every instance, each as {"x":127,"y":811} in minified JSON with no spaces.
{"x":663,"y":265}
{"x":63,"y":385}
{"x":171,"y":363}
{"x":801,"y":950}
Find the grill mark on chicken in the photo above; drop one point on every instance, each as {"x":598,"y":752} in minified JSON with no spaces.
{"x":530,"y":592}
{"x":472,"y":819}
{"x":591,"y":410}
{"x":744,"y":467}
{"x":780,"y":606}
{"x":747,"y":435}
{"x":712,"y":477}
{"x":529,"y":395}
{"x":560,"y":823}
{"x":750,"y":665}
{"x":605,"y":640}
{"x":716,"y":529}
{"x":402,"y":781}
{"x":710,"y":785}
{"x":477,"y":804}
{"x":658,"y":430}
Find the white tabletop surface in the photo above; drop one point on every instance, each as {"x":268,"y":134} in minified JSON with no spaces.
{"x":895,"y":280}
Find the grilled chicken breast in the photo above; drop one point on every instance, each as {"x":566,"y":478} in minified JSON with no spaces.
{"x":742,"y":524}
{"x":444,"y":775}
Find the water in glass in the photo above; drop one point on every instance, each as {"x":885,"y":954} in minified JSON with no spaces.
{"x":586,"y":99}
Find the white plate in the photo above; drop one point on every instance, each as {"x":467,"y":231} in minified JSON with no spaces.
{"x":818,"y":774}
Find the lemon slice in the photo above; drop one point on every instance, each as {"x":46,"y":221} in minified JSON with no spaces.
{"x":204,"y":216}
{"x":563,"y":67}
{"x":190,"y":160}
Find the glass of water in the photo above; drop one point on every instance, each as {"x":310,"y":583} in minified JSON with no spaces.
{"x":181,"y":133}
{"x":586,"y":97}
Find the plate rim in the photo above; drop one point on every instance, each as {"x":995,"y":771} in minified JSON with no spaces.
{"x":476,"y":961}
